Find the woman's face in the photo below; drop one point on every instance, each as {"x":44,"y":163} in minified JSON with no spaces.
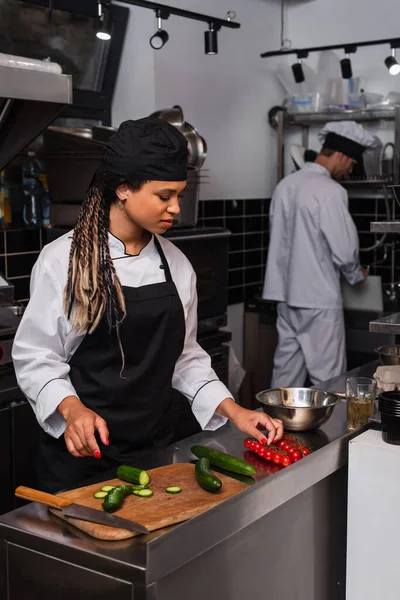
{"x":154,"y":207}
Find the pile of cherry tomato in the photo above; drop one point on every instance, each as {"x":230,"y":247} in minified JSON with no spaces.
{"x":287,"y":451}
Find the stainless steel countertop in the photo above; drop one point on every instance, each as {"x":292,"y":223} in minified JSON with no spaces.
{"x":162,"y":552}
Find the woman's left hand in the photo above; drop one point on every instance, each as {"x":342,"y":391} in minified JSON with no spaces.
{"x":248,"y":421}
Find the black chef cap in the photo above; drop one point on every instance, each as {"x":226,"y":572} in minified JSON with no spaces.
{"x":339,"y":143}
{"x":149,"y":149}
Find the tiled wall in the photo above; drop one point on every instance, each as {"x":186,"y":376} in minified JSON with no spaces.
{"x":248,"y":222}
{"x":19,"y":249}
{"x":365,"y":210}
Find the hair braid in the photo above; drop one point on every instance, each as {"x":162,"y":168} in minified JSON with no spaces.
{"x":93,"y":289}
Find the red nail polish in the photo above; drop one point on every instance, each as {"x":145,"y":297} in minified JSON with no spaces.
{"x":264,"y":441}
{"x":97,"y":454}
{"x":107,"y":442}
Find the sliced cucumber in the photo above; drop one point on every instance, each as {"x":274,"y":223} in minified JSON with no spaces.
{"x":144,"y":493}
{"x":173,"y":489}
{"x":107,"y":488}
{"x":100,"y":495}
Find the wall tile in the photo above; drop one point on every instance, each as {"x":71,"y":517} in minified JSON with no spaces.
{"x":252,"y":241}
{"x":236,"y":243}
{"x":234,"y":208}
{"x":254,"y":207}
{"x":23,"y":240}
{"x":213,"y":208}
{"x":253,"y":258}
{"x":235,"y":224}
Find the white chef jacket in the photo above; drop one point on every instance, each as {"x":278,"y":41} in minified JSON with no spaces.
{"x":313,"y":240}
{"x":45,"y":340}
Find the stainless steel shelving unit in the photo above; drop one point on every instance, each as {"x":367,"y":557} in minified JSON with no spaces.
{"x":305,"y":120}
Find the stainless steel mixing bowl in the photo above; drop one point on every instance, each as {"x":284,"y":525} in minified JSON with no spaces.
{"x":300,"y":409}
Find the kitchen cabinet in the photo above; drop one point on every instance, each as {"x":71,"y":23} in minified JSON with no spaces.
{"x":25,"y":441}
{"x":6,"y":478}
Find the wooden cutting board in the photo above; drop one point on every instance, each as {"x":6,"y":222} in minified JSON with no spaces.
{"x":162,"y":509}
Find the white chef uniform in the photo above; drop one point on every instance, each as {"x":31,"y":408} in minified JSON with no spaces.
{"x":313,"y":241}
{"x":45,"y":341}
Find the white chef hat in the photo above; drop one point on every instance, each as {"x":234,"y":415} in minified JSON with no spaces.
{"x":347,"y":137}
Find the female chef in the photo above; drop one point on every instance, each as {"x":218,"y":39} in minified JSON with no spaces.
{"x":111,"y":324}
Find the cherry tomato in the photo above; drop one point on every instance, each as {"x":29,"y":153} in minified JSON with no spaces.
{"x":277,"y":458}
{"x":281,"y":444}
{"x":305,"y":451}
{"x":252,"y":445}
{"x":295,"y":455}
{"x":262,"y":451}
{"x":286,"y":461}
{"x":257,"y":446}
{"x":268,"y":454}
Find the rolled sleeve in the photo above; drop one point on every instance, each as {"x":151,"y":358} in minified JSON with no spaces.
{"x":47,"y":402}
{"x":205,"y":403}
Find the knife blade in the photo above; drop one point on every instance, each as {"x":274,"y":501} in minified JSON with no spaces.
{"x":78,"y":511}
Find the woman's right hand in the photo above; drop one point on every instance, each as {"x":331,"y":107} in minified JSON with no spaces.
{"x":81,"y":423}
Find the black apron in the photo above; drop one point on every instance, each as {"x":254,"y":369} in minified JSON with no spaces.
{"x":136,"y":405}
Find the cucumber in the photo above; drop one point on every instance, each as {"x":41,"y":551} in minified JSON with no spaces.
{"x":243,"y":478}
{"x":173,"y":489}
{"x":100,"y":495}
{"x":115,"y":497}
{"x":143,"y":493}
{"x":224,"y":461}
{"x":205,"y":478}
{"x":133,"y":475}
{"x":107,"y":488}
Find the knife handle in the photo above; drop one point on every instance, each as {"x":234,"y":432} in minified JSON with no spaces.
{"x":36,"y":496}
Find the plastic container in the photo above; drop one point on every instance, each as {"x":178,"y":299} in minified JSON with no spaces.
{"x":389,"y":407}
{"x":311,"y":102}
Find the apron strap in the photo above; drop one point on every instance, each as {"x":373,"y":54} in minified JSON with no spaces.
{"x":168,"y":276}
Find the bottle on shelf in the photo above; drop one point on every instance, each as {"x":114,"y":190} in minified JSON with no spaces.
{"x":5,"y":200}
{"x":33,"y":190}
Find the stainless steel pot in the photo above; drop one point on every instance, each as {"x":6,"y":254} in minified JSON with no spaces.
{"x":196,"y":145}
{"x":173,"y":115}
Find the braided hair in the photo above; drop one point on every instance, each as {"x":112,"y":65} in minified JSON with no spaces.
{"x":93,"y":290}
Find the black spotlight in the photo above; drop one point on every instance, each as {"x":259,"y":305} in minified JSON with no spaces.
{"x":104,"y":26}
{"x":211,"y":40}
{"x":392,"y":64}
{"x":345,"y":65}
{"x":298,"y":72}
{"x":161,"y":37}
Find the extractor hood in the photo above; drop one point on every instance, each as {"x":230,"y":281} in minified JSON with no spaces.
{"x":29,"y":102}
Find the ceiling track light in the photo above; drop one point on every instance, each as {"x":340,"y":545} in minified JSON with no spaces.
{"x":104,"y":26}
{"x":161,"y":37}
{"x":345,"y":63}
{"x":211,"y":39}
{"x":392,"y":64}
{"x":297,"y":68}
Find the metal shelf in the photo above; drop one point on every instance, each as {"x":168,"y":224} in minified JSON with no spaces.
{"x":390,"y":324}
{"x":345,"y":115}
{"x":371,"y":182}
{"x":385,"y":227}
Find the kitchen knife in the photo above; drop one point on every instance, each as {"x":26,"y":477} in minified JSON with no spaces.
{"x":77,"y":511}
